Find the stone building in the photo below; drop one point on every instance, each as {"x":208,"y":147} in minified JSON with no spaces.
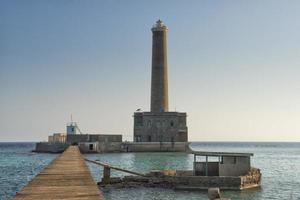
{"x":93,"y":143}
{"x":160,"y":125}
{"x":57,"y":137}
{"x":103,"y":138}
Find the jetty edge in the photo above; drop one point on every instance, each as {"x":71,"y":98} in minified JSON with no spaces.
{"x":66,"y":177}
{"x":223,"y":170}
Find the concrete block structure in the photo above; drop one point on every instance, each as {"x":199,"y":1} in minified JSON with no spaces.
{"x":50,"y":147}
{"x":222,"y":164}
{"x":223,"y":170}
{"x":154,"y":147}
{"x":102,"y":138}
{"x":96,"y":143}
{"x":88,"y":143}
{"x":160,"y":125}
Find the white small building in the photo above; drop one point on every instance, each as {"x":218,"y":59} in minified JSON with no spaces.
{"x":221,"y":163}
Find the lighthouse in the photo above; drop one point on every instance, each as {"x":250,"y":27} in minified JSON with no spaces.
{"x":160,"y":124}
{"x":159,"y":77}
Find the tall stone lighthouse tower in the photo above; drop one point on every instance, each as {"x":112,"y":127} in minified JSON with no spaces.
{"x":159,"y":79}
{"x":160,"y":124}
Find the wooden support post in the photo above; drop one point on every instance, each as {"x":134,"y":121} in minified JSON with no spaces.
{"x":106,"y":174}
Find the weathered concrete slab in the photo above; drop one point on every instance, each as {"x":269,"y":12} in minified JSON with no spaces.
{"x":66,"y":177}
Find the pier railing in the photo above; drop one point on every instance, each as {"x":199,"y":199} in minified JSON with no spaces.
{"x":107,"y":168}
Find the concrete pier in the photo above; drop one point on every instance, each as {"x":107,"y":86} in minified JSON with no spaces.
{"x":66,"y":177}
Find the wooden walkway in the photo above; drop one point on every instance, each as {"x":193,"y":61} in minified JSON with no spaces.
{"x":66,"y":177}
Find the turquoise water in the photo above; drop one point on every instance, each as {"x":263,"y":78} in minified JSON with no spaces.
{"x":279,"y":162}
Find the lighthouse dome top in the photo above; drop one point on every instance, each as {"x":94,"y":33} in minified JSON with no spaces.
{"x":159,"y":26}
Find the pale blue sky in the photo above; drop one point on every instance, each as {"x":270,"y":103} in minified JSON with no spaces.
{"x":234,"y":66}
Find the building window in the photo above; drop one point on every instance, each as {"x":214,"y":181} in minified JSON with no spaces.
{"x":149,"y":138}
{"x":91,"y":147}
{"x":138,"y":138}
{"x":158,"y":124}
{"x":149,"y":123}
{"x":138,"y":121}
{"x":160,"y":138}
{"x":171,"y":123}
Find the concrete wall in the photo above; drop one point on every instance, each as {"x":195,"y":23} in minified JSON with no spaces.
{"x":100,"y":147}
{"x":160,"y":127}
{"x":109,"y":147}
{"x":88,"y":147}
{"x":105,"y":138}
{"x":193,"y":182}
{"x":208,"y":181}
{"x":234,"y":166}
{"x":80,"y":138}
{"x":212,"y":168}
{"x":155,"y":146}
{"x":105,"y":147}
{"x":189,"y":182}
{"x":46,"y":147}
{"x":230,"y":166}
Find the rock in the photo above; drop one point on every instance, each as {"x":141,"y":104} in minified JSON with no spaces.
{"x":213,"y":193}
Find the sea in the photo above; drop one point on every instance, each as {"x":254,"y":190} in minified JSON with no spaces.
{"x":279,"y":163}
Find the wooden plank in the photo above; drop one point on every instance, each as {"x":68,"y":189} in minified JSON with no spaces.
{"x":66,"y":177}
{"x":116,"y":168}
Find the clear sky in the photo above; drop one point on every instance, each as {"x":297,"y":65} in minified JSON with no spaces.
{"x":234,"y":66}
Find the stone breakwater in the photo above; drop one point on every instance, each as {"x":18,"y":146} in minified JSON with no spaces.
{"x":251,"y":180}
{"x":118,"y":147}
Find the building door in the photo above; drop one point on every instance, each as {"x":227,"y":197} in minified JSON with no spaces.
{"x":91,"y":147}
